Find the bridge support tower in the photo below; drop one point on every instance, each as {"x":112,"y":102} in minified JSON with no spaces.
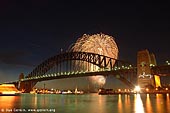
{"x":25,"y":86}
{"x":145,"y":61}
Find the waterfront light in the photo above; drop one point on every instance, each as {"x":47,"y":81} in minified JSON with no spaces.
{"x":137,"y":89}
{"x":125,"y":90}
{"x":119,"y":90}
{"x":147,"y":89}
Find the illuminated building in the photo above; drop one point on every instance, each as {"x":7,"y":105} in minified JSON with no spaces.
{"x":8,"y":89}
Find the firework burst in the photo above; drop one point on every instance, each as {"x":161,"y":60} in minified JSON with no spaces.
{"x":100,"y":44}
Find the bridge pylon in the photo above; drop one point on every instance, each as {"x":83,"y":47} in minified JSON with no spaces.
{"x":145,"y":61}
{"x":25,"y":86}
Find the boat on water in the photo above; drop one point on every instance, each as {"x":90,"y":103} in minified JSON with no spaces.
{"x":76,"y":92}
{"x":9,"y":90}
{"x":67,"y":92}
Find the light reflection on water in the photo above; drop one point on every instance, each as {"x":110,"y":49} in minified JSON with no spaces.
{"x":138,"y":104}
{"x":148,"y":104}
{"x":88,"y":103}
{"x":120,"y":103}
{"x":8,"y":101}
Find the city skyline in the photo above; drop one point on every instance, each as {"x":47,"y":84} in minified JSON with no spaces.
{"x":34,"y":31}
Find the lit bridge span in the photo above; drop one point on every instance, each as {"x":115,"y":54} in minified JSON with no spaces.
{"x":82,"y":64}
{"x":78,"y":64}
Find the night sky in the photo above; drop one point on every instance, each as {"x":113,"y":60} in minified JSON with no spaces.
{"x":32,"y":31}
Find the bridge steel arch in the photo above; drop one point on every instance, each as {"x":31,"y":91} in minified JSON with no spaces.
{"x":96,"y":59}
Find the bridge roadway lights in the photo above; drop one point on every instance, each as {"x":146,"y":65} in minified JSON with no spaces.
{"x":27,"y":84}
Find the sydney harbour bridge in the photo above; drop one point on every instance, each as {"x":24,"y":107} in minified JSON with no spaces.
{"x":95,"y":55}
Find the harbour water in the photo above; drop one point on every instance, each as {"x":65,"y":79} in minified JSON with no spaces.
{"x":86,"y":103}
